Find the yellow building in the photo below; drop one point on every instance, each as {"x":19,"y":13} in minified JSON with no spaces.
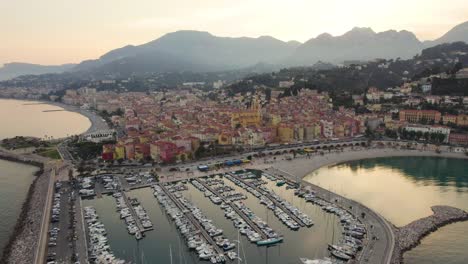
{"x":275,"y":120}
{"x":249,"y":117}
{"x":285,"y":133}
{"x":339,"y":130}
{"x":449,"y":119}
{"x":119,"y":152}
{"x":245,"y":118}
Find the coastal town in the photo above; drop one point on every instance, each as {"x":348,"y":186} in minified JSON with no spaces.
{"x":136,"y":134}
{"x":189,"y":123}
{"x":256,"y":143}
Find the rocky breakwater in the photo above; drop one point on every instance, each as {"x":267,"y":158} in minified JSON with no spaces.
{"x":410,"y":236}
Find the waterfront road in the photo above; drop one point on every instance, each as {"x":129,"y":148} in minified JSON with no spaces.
{"x":43,"y":235}
{"x":380,"y":236}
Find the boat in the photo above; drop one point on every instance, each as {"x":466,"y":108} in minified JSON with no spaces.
{"x":232,"y":255}
{"x":340,"y":255}
{"x":316,"y":261}
{"x":269,"y":241}
{"x":280,"y":183}
{"x":138,"y":236}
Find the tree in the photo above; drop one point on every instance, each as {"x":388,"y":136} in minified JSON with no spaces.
{"x":426,"y":136}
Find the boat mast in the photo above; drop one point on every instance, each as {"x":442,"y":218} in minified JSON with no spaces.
{"x":170,"y":252}
{"x":238,"y":246}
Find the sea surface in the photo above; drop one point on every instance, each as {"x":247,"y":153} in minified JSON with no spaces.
{"x":164,"y":239}
{"x":29,"y":118}
{"x":15,"y":179}
{"x":403,"y":189}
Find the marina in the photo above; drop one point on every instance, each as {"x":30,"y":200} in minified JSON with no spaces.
{"x":207,"y":249}
{"x":237,"y":213}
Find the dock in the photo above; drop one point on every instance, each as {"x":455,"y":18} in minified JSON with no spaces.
{"x":134,"y":214}
{"x":58,"y":110}
{"x":192,"y":219}
{"x":277,"y":204}
{"x":238,"y":211}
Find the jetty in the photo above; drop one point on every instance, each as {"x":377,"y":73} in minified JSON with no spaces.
{"x":268,"y":195}
{"x":57,"y":110}
{"x":134,"y":214}
{"x":192,"y":219}
{"x":410,"y":236}
{"x":238,"y":211}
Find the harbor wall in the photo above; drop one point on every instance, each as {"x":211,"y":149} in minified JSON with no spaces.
{"x":410,"y":236}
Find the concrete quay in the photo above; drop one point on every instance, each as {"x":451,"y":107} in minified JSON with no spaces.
{"x":277,"y":204}
{"x":192,"y":219}
{"x":238,"y":211}
{"x":410,"y":236}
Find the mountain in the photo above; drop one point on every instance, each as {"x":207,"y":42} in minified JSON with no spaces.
{"x":14,"y":69}
{"x":357,"y":44}
{"x":199,"y":51}
{"x":194,"y":51}
{"x":458,"y":33}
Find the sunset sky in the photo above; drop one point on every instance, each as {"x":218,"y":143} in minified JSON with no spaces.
{"x":69,"y":31}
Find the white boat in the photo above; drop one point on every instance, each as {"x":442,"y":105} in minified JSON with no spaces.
{"x":316,"y":261}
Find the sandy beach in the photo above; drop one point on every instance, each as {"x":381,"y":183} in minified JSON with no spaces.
{"x":302,"y":166}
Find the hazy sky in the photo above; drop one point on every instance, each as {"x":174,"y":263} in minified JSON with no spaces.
{"x":63,"y":31}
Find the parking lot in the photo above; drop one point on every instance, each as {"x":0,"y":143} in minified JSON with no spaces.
{"x":61,"y":231}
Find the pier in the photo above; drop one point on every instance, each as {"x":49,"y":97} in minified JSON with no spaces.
{"x":238,"y":211}
{"x":277,"y":204}
{"x":134,"y":214}
{"x":58,"y":110}
{"x":192,"y":219}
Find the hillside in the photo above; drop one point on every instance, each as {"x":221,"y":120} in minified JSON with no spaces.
{"x":382,"y":73}
{"x":357,"y":44}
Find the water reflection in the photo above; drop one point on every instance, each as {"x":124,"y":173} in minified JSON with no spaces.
{"x":403,"y":189}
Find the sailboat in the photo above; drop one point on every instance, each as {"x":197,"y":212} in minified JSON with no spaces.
{"x":231,"y":254}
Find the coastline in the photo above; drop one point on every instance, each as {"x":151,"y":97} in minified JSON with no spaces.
{"x":302,"y":167}
{"x":96,"y":121}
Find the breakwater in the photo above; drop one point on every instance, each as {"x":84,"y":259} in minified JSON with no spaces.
{"x":410,"y":236}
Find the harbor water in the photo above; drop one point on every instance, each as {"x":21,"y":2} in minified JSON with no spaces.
{"x":165,"y":239}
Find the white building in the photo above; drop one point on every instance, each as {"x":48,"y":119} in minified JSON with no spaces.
{"x":100,"y":136}
{"x":286,"y":84}
{"x":430,"y":129}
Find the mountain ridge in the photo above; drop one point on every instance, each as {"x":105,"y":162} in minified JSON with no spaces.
{"x":201,"y":51}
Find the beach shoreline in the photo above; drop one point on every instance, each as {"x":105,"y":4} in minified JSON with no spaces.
{"x":97,"y":123}
{"x":302,"y":167}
